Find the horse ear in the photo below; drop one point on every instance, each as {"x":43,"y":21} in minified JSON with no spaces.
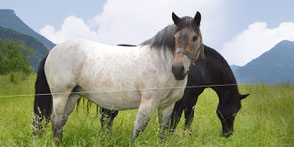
{"x":176,"y":19}
{"x":197,"y":18}
{"x":243,"y":96}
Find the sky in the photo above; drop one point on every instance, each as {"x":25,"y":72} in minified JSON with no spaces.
{"x":241,"y":30}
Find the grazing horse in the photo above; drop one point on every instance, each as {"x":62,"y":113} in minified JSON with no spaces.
{"x":213,"y":72}
{"x":118,"y":78}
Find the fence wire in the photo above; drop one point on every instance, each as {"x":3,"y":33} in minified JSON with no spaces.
{"x":121,"y":91}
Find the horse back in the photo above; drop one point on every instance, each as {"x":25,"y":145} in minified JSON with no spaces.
{"x":214,"y":69}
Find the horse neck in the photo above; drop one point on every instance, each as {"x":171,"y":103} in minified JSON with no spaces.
{"x":163,"y":55}
{"x":227,"y":92}
{"x":215,"y":64}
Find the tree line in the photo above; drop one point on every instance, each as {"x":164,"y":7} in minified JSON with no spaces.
{"x":15,"y":56}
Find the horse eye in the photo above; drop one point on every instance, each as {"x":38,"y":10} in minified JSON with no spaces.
{"x":195,"y":38}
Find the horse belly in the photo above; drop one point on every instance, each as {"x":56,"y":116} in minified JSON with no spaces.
{"x":110,"y":89}
{"x":116,"y":100}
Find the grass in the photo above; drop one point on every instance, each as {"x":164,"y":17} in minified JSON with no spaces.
{"x":266,"y":119}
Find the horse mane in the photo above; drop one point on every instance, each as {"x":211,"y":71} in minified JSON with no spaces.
{"x":126,"y":45}
{"x":164,"y":39}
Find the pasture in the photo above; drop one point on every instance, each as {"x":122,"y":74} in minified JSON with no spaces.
{"x":265,"y":119}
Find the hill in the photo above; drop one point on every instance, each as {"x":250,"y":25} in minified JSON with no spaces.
{"x":39,"y":49}
{"x":274,"y":66}
{"x":235,"y":68}
{"x":8,"y":19}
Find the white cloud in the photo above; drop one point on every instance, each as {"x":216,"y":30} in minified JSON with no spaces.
{"x":255,"y":40}
{"x":133,"y":21}
{"x":71,"y":28}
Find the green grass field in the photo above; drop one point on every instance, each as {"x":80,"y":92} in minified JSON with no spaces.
{"x":266,"y":119}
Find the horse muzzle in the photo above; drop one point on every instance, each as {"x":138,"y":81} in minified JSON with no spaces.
{"x":179,"y":72}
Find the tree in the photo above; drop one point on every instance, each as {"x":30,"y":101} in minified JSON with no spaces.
{"x":15,"y":56}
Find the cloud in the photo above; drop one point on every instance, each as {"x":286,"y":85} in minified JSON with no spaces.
{"x":134,"y":21}
{"x":256,"y":40}
{"x":72,"y":27}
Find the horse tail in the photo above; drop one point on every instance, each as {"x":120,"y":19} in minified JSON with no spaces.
{"x":43,"y":99}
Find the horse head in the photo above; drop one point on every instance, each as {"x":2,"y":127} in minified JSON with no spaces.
{"x":188,"y":44}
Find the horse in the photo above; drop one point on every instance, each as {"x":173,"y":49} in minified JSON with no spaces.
{"x":213,"y":72}
{"x":118,"y":78}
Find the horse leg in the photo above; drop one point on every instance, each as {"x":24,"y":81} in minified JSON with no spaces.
{"x":62,"y":108}
{"x":190,"y":99}
{"x":107,"y":117}
{"x":176,"y":114}
{"x":70,"y":106}
{"x":145,"y":111}
{"x":164,"y":116}
{"x":189,"y":113}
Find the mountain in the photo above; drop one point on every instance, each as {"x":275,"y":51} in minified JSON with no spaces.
{"x":235,"y":68}
{"x":8,"y":19}
{"x":39,"y":49}
{"x":274,"y":66}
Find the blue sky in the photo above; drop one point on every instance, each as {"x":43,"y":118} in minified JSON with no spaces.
{"x":37,"y":13}
{"x":240,"y":30}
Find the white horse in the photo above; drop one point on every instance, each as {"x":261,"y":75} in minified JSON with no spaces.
{"x":118,"y":78}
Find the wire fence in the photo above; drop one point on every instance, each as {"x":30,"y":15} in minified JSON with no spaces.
{"x":121,"y":91}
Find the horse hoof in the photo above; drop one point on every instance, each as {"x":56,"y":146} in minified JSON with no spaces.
{"x":38,"y":132}
{"x":56,"y":140}
{"x":228,"y":134}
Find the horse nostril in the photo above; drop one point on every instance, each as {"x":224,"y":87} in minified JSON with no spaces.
{"x":178,"y":70}
{"x":182,"y":70}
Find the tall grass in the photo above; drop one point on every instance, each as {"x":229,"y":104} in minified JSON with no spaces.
{"x":266,"y":119}
{"x":17,"y":83}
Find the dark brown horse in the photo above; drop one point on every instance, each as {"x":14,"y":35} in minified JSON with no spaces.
{"x":211,"y":72}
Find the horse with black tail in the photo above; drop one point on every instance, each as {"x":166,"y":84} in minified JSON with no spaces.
{"x":119,"y":78}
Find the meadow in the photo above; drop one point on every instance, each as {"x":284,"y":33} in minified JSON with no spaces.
{"x":266,"y":119}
